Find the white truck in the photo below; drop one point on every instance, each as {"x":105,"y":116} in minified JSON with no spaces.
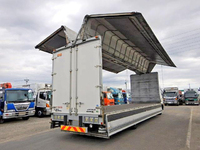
{"x":42,"y":95}
{"x":113,"y":42}
{"x":171,"y":96}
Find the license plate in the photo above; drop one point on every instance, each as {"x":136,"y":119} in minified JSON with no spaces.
{"x":22,"y":113}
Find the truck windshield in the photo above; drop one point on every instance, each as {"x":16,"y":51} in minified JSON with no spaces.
{"x":120,"y":95}
{"x":49,"y":95}
{"x":190,"y":94}
{"x":19,"y":96}
{"x":110,"y":96}
{"x":169,"y":94}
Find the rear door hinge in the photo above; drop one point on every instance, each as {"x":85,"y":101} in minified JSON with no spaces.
{"x":98,"y":46}
{"x":53,"y":74}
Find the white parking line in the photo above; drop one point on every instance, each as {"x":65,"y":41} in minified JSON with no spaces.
{"x":189,"y":130}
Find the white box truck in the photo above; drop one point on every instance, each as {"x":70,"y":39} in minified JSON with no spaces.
{"x":171,"y":95}
{"x":113,"y":42}
{"x":42,"y":94}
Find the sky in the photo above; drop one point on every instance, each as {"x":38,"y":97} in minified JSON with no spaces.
{"x":25,"y":23}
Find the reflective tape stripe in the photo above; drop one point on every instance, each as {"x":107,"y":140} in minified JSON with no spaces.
{"x":81,"y":129}
{"x":73,"y":129}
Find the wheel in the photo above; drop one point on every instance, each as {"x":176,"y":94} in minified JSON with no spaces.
{"x":39,"y":113}
{"x":1,"y":120}
{"x":25,"y":118}
{"x":52,"y":125}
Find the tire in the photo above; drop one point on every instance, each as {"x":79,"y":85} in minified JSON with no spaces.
{"x":1,"y":120}
{"x":25,"y":118}
{"x":40,"y":113}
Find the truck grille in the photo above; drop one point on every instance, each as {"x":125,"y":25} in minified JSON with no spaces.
{"x":21,"y":107}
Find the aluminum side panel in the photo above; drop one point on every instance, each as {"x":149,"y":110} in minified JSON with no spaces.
{"x":118,"y":125}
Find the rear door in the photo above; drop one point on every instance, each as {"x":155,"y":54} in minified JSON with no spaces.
{"x":61,"y":81}
{"x":88,"y":84}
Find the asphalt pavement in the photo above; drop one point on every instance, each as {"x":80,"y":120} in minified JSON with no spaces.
{"x":178,"y":128}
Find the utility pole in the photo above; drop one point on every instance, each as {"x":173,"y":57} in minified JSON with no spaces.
{"x":126,"y":84}
{"x":26,"y":80}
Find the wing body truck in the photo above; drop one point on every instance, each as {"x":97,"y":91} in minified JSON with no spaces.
{"x":171,"y":95}
{"x":113,"y":42}
{"x":42,"y":94}
{"x":16,"y":103}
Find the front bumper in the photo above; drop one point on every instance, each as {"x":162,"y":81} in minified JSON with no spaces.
{"x":47,"y":112}
{"x":192,"y":102}
{"x":9,"y":115}
{"x":170,"y":102}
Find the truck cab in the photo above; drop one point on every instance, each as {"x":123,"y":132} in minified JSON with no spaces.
{"x":191,"y":97}
{"x":117,"y":94}
{"x":171,"y":96}
{"x":108,"y":99}
{"x":16,"y":103}
{"x":43,"y":99}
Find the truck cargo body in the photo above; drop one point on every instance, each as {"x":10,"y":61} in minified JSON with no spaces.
{"x":76,"y":104}
{"x":16,"y":103}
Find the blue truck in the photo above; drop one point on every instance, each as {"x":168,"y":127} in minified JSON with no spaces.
{"x":117,"y":94}
{"x":16,"y":103}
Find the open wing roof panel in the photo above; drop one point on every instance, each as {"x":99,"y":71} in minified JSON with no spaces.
{"x":127,"y":42}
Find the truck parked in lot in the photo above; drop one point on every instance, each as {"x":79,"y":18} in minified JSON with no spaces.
{"x":171,"y":96}
{"x":42,"y":94}
{"x":191,"y":97}
{"x":113,"y":42}
{"x":16,"y":103}
{"x":108,"y":99}
{"x":117,"y":94}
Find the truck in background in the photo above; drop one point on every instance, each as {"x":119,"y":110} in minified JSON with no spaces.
{"x":16,"y":103}
{"x":42,"y":94}
{"x":77,"y":80}
{"x":171,"y":96}
{"x":126,"y":96}
{"x":117,"y":94}
{"x":191,"y":97}
{"x":108,"y":99}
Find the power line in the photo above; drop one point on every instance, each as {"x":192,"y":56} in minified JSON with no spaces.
{"x":180,"y":34}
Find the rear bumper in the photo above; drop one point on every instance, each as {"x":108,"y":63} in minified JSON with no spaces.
{"x":9,"y":115}
{"x":74,"y":129}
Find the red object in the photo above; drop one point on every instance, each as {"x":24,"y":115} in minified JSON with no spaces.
{"x":6,"y":85}
{"x":108,"y":101}
{"x":123,"y":91}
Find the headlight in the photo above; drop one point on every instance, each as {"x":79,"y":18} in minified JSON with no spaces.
{"x":12,"y":110}
{"x":62,"y":117}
